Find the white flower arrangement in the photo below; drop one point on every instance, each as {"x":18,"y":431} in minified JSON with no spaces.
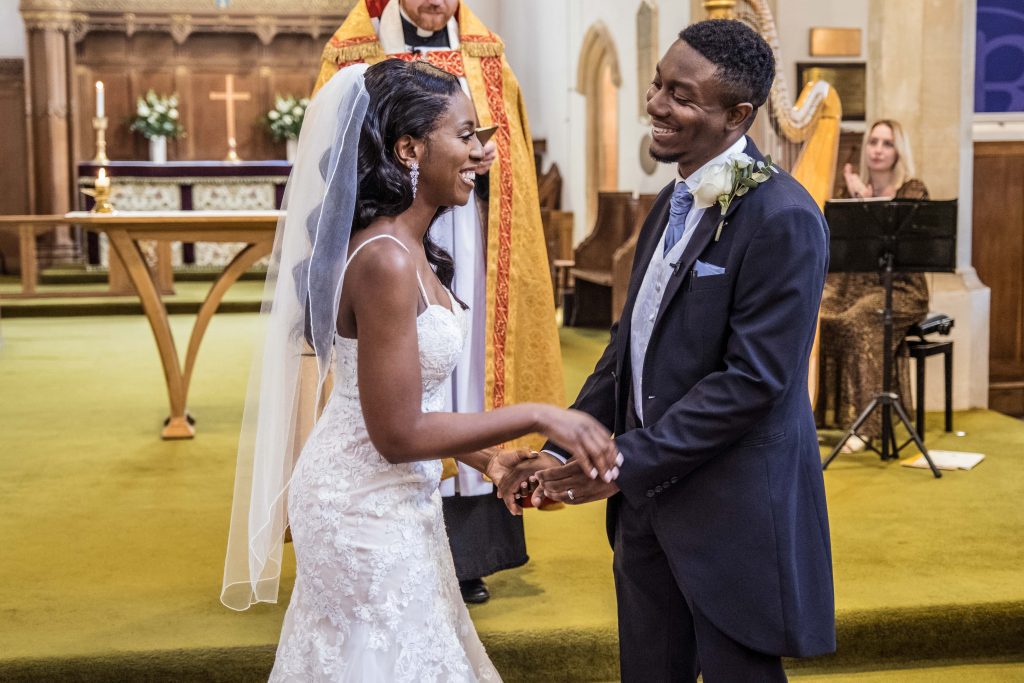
{"x":157,"y":116}
{"x":285,"y":119}
{"x":723,"y":182}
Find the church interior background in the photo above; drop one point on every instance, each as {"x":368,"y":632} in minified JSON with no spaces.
{"x":929,"y":578}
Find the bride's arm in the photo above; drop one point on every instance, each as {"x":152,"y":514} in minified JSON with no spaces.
{"x":382,"y":290}
{"x":478,"y":460}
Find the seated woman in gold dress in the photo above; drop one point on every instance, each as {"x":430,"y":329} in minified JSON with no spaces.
{"x":851,"y":318}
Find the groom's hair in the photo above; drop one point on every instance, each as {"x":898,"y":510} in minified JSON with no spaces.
{"x":745,"y":61}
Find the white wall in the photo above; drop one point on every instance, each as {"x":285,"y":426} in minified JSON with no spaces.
{"x":12,"y":30}
{"x":543,"y":40}
{"x":794,"y":20}
{"x":489,"y":12}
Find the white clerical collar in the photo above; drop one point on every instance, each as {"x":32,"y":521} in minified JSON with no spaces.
{"x":421,"y":32}
{"x":392,"y":38}
{"x":693,"y":181}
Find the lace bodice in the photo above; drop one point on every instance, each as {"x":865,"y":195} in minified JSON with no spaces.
{"x":440,"y":334}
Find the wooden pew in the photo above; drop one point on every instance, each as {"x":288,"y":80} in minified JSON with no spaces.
{"x":557,"y":229}
{"x":593,"y":270}
{"x":622,"y":259}
{"x":558,"y":241}
{"x":549,"y":189}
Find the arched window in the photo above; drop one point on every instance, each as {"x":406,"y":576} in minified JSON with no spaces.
{"x":598,"y":78}
{"x":647,"y":52}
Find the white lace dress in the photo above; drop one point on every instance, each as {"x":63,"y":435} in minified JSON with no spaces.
{"x":375,"y":597}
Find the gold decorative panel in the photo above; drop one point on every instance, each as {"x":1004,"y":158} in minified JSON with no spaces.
{"x":835,"y":42}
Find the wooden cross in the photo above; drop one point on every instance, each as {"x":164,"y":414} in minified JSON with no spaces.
{"x":229,"y":96}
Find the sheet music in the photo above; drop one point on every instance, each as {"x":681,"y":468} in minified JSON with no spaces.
{"x":946,"y":460}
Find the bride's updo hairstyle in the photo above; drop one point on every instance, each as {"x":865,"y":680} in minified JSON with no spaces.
{"x":406,"y":98}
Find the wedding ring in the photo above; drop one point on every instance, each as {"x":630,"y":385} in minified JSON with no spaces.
{"x":571,"y":497}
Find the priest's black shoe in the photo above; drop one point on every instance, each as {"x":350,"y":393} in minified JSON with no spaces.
{"x":474,"y":591}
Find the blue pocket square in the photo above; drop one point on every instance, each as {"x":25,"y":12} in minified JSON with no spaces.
{"x":702,"y":269}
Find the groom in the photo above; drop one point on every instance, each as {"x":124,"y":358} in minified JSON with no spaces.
{"x":717,"y":515}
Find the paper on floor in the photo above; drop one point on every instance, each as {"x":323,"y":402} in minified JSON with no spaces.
{"x":946,"y":460}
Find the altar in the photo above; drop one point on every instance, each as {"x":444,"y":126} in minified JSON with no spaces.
{"x":184,"y":186}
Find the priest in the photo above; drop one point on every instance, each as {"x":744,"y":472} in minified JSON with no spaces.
{"x":497,"y":241}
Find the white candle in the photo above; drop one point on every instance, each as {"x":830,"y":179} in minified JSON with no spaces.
{"x":102,"y":180}
{"x":100,"y":109}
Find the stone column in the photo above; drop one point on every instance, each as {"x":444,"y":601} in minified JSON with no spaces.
{"x":48,"y":62}
{"x":921,"y":73}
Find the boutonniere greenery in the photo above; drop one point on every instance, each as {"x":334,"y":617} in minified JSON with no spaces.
{"x":722,"y":183}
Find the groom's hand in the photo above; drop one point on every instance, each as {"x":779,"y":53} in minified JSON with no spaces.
{"x":510,"y":469}
{"x":570,"y":484}
{"x":518,"y":484}
{"x":502,"y":462}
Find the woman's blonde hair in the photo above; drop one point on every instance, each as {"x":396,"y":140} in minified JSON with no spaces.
{"x":903,"y":169}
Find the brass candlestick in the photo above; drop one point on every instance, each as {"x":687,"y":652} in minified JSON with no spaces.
{"x":100,"y":124}
{"x":101,"y":194}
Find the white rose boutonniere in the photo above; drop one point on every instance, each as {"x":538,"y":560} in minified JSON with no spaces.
{"x":716,"y":182}
{"x":722,"y":183}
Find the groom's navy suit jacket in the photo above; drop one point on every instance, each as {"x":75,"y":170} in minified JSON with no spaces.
{"x":727,"y":456}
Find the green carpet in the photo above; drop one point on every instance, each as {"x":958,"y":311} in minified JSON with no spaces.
{"x":953,"y":672}
{"x":111,"y":540}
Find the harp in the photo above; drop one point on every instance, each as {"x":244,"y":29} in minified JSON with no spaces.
{"x":801,"y":137}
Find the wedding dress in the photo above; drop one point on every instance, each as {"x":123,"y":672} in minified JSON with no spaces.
{"x":376,"y":597}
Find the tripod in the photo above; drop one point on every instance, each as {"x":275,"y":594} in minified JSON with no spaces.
{"x":887,"y":400}
{"x":898,"y":236}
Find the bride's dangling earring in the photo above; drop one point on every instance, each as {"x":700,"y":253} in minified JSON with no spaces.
{"x":414,"y":176}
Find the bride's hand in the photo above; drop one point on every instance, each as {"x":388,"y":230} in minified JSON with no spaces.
{"x":584,"y":437}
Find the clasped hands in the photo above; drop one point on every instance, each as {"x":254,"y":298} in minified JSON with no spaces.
{"x":524,"y":474}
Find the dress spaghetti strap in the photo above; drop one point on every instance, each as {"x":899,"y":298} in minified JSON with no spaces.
{"x":423,"y":290}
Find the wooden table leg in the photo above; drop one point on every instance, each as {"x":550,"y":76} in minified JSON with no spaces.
{"x":118,"y":281}
{"x":239,"y":265}
{"x":131,"y":256}
{"x":28,"y":259}
{"x":164,"y":268}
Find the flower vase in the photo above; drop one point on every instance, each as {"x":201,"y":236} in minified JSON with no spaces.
{"x":158,"y":150}
{"x":291,"y":146}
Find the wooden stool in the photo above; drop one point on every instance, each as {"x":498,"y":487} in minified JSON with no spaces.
{"x":920,"y":349}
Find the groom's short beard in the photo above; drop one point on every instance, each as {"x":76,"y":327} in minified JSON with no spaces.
{"x":663,"y":158}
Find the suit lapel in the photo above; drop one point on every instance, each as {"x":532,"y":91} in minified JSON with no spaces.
{"x":698,"y":242}
{"x":649,"y":240}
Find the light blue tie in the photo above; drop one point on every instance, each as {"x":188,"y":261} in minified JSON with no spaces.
{"x":682,"y":202}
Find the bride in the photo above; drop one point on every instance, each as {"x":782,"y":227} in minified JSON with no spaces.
{"x":383,"y":151}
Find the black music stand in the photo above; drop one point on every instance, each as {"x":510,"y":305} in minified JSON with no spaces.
{"x":887,"y":236}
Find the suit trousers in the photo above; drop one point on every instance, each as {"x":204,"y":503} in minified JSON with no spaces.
{"x":663,"y":636}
